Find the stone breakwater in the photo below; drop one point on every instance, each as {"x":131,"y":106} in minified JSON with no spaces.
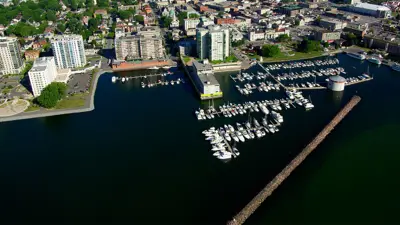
{"x":252,"y":206}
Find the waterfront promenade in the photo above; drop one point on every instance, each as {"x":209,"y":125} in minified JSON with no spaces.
{"x":89,"y":105}
{"x":252,"y":206}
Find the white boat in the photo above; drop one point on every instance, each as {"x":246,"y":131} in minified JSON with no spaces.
{"x":374,"y":60}
{"x":308,"y":105}
{"x":396,"y":67}
{"x":123,"y":79}
{"x":256,"y":123}
{"x":264,"y":110}
{"x":224,"y":155}
{"x":234,"y":137}
{"x":240,"y":136}
{"x":113,"y":79}
{"x":227,"y":137}
{"x":245,"y":134}
{"x":166,"y":67}
{"x":258,"y":133}
{"x":235,"y":151}
{"x":154,"y":68}
{"x":264,"y":122}
{"x":231,"y":129}
{"x":217,"y":148}
{"x":356,"y":55}
{"x":278,"y":117}
{"x":289,"y":94}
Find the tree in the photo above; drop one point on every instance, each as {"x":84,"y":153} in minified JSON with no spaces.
{"x":181,"y":16}
{"x":309,"y":46}
{"x":51,"y":94}
{"x":283,"y":38}
{"x":351,"y":38}
{"x":61,"y":27}
{"x":270,"y":50}
{"x":193,"y":16}
{"x":166,"y":21}
{"x":124,"y":14}
{"x":139,"y":18}
{"x":237,"y":43}
{"x":51,"y":16}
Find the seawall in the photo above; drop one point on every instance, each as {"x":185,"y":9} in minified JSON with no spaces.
{"x":252,"y":206}
{"x":40,"y":114}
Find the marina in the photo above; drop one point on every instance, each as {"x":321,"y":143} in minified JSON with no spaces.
{"x":150,"y":138}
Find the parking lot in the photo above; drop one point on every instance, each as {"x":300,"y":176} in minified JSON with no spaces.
{"x":79,"y":83}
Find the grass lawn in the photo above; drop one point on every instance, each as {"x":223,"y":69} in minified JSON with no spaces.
{"x":77,"y":100}
{"x":32,"y":107}
{"x":186,"y":59}
{"x":289,"y":56}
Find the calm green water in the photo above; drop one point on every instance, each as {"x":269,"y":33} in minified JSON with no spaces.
{"x":139,"y":157}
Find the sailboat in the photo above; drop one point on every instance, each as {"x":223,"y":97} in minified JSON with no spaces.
{"x":366,"y":74}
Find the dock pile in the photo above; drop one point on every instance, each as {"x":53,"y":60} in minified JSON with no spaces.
{"x":251,"y":207}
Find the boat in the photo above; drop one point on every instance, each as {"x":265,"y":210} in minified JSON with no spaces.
{"x":123,"y":79}
{"x":308,"y":105}
{"x":113,"y":79}
{"x":256,"y":123}
{"x":356,"y":55}
{"x":374,"y":60}
{"x":154,"y":68}
{"x":227,"y":137}
{"x":234,"y":137}
{"x":224,"y":155}
{"x":240,"y":136}
{"x":231,"y":129}
{"x":166,"y":67}
{"x":396,"y":67}
{"x":235,"y":151}
{"x":278,"y":117}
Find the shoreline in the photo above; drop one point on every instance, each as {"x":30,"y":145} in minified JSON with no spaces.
{"x":40,"y":114}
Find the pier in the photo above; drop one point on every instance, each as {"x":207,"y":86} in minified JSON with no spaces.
{"x":269,"y":74}
{"x":252,"y":206}
{"x":143,"y":76}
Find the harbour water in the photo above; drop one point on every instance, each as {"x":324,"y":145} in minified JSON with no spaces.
{"x":140,"y":157}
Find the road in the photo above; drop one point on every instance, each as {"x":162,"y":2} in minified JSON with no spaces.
{"x":242,"y":57}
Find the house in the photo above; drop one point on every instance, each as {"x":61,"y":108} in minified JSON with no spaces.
{"x":49,"y":32}
{"x":31,"y":55}
{"x":102,"y":13}
{"x":39,"y":44}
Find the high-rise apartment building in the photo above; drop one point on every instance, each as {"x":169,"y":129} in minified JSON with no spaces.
{"x":68,"y":51}
{"x":42,"y":73}
{"x":147,"y":44}
{"x":213,"y":43}
{"x":10,"y":56}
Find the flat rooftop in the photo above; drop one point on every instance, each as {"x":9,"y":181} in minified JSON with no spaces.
{"x":205,"y":78}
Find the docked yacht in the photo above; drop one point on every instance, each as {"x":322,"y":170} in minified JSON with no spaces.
{"x":113,"y":79}
{"x":154,"y":68}
{"x":234,"y":137}
{"x":123,"y":79}
{"x":374,"y":60}
{"x":240,"y":136}
{"x":227,"y":137}
{"x":235,"y":151}
{"x":308,"y":105}
{"x":396,"y":67}
{"x":278,"y":117}
{"x":224,"y":155}
{"x":245,"y":134}
{"x":356,"y":55}
{"x":264,"y":121}
{"x":264,"y":110}
{"x":256,"y":123}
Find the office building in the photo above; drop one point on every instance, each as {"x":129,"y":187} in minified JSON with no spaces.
{"x":42,"y":73}
{"x":146,"y":44}
{"x":326,"y":35}
{"x":213,"y":43}
{"x":68,"y":51}
{"x":10,"y":56}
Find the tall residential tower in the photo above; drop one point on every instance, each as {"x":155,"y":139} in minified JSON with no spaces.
{"x":43,"y":72}
{"x":10,"y":56}
{"x":213,"y":43}
{"x":68,"y":51}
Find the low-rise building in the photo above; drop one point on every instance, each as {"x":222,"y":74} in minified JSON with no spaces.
{"x":31,"y":55}
{"x":191,"y":23}
{"x":326,"y":35}
{"x":371,"y":10}
{"x":291,"y":10}
{"x":332,"y":24}
{"x":205,"y":81}
{"x":385,"y":41}
{"x":256,"y":34}
{"x":42,"y":73}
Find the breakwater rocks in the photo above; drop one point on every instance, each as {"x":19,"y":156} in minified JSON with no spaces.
{"x":252,"y":206}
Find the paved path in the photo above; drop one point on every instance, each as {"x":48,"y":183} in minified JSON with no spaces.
{"x":89,"y":105}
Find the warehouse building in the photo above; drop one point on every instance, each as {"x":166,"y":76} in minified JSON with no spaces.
{"x":371,"y":10}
